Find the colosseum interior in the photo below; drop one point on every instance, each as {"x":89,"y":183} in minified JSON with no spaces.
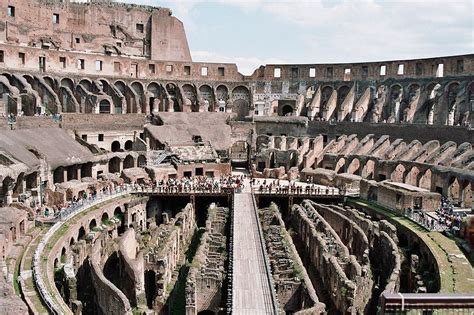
{"x":136,"y":181}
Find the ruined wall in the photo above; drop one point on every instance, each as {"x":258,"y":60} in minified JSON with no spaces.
{"x":294,"y":289}
{"x":320,"y":251}
{"x":98,"y":27}
{"x":110,"y":299}
{"x":204,"y":286}
{"x":164,"y":253}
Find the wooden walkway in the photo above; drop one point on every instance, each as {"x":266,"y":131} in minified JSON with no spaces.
{"x":251,"y":287}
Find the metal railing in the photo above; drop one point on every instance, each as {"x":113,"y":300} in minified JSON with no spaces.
{"x":266,"y":260}
{"x":427,"y":303}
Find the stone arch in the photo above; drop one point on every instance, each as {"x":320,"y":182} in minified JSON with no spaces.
{"x":115,"y":146}
{"x":398,"y":173}
{"x":114,"y":165}
{"x":222,"y":92}
{"x":155,"y":95}
{"x":67,"y":82}
{"x":340,"y":165}
{"x":392,"y":111}
{"x":342,"y":92}
{"x":86,"y":84}
{"x":63,"y":255}
{"x":81,"y":233}
{"x":128,"y":145}
{"x":412,"y":176}
{"x":105,"y":217}
{"x":121,"y":86}
{"x":287,"y":110}
{"x":326,"y":92}
{"x":241,"y":101}
{"x":51,"y":82}
{"x":354,"y":167}
{"x":104,"y":107}
{"x":190,"y":97}
{"x":173,"y":93}
{"x":465,"y":194}
{"x":128,"y":162}
{"x":141,"y":161}
{"x":138,"y":88}
{"x":368,"y":170}
{"x":452,"y":90}
{"x":92,"y":224}
{"x":58,"y":175}
{"x":454,"y":189}
{"x":425,"y":180}
{"x":207,"y":96}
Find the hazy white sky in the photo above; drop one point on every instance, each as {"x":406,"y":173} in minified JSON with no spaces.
{"x":255,"y":32}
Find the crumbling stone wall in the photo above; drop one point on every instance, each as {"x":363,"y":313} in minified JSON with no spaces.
{"x":204,"y":286}
{"x":109,"y":298}
{"x":294,"y":289}
{"x":164,"y":252}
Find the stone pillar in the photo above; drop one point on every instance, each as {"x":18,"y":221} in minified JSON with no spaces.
{"x":78,"y":170}
{"x":65,"y":175}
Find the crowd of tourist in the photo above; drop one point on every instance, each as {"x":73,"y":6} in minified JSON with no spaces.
{"x":275,"y":186}
{"x":201,"y":184}
{"x":445,"y":218}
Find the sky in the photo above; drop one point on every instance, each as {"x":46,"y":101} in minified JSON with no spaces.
{"x":251,"y":33}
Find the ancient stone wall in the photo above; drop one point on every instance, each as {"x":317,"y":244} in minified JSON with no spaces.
{"x":204,"y":286}
{"x":295,"y":292}
{"x":165,"y":250}
{"x":110,"y":299}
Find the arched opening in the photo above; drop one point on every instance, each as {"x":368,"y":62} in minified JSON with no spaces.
{"x":114,"y":165}
{"x":173,"y":94}
{"x":66,"y":82}
{"x":339,"y":168}
{"x":58,"y":176}
{"x":118,"y":214}
{"x":241,"y":102}
{"x":206,"y":94}
{"x":190,"y":97}
{"x":425,"y":180}
{"x":354,"y":167}
{"x":128,"y":145}
{"x":369,"y":169}
{"x":81,"y":234}
{"x":92,"y":224}
{"x":412,"y":176}
{"x":141,"y":161}
{"x":454,"y":190}
{"x":104,"y":107}
{"x":105,"y":218}
{"x":465,"y":194}
{"x":128,"y":162}
{"x":137,"y":87}
{"x":115,"y":147}
{"x":63,"y":255}
{"x":86,"y":170}
{"x":154,"y":101}
{"x":398,"y":174}
{"x":287,"y":110}
{"x":150,"y":288}
{"x":86,"y":84}
{"x":71,"y":242}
